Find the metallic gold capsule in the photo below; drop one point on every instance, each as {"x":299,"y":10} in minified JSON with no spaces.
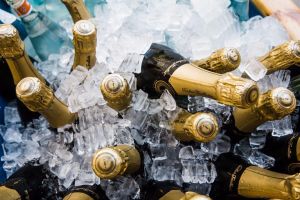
{"x":78,"y":196}
{"x":38,"y":97}
{"x":179,"y":195}
{"x":77,"y":9}
{"x":85,"y":42}
{"x":282,"y":56}
{"x":221,"y":61}
{"x":272,"y":105}
{"x":116,"y":91}
{"x":199,"y":127}
{"x":9,"y":194}
{"x":111,"y":162}
{"x":257,"y":182}
{"x":12,"y":49}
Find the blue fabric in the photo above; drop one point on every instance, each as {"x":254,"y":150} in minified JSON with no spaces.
{"x":2,"y":105}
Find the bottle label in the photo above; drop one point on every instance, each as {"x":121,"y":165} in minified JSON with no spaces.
{"x":6,"y":17}
{"x":158,"y":65}
{"x":24,"y":9}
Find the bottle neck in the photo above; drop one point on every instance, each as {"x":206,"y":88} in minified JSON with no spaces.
{"x":191,"y":80}
{"x":77,"y":10}
{"x":58,"y":114}
{"x":178,"y":127}
{"x":279,"y":58}
{"x":22,"y":8}
{"x":22,"y":67}
{"x":256,"y":182}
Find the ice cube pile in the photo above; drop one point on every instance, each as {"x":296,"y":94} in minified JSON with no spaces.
{"x":126,"y":29}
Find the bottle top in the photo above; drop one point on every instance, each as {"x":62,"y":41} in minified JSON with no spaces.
{"x":233,"y":56}
{"x":116,"y":91}
{"x":109,"y":163}
{"x":203,"y":126}
{"x":11,"y":43}
{"x":294,"y":46}
{"x":282,"y":103}
{"x":84,"y":27}
{"x":85,"y":36}
{"x":34,"y":94}
{"x":22,"y":7}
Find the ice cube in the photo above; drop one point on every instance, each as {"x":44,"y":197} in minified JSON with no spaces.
{"x":255,"y":70}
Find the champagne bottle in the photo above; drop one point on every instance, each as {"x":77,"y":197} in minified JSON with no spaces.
{"x":199,"y":127}
{"x":237,"y":178}
{"x":241,"y":9}
{"x":179,"y":195}
{"x":272,"y":105}
{"x":40,"y":98}
{"x":221,"y":61}
{"x":85,"y":42}
{"x":27,"y":183}
{"x":116,"y":92}
{"x":111,"y":162}
{"x":46,"y":36}
{"x":162,"y":69}
{"x":53,"y":9}
{"x":282,"y":56}
{"x":12,"y":49}
{"x":86,"y":192}
{"x":77,"y":10}
{"x":285,"y":150}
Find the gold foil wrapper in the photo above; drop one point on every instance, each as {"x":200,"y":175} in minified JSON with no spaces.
{"x":11,"y":45}
{"x":272,"y":105}
{"x":9,"y":194}
{"x":221,"y":61}
{"x":12,"y":50}
{"x":179,"y":195}
{"x":111,"y":162}
{"x":116,"y":92}
{"x":78,"y":196}
{"x":236,"y":91}
{"x":77,"y":10}
{"x":257,"y":182}
{"x":199,"y":127}
{"x":40,"y":98}
{"x":85,"y":42}
{"x":225,"y":88}
{"x":282,"y":56}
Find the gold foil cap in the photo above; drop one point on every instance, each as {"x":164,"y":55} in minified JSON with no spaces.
{"x":85,"y":40}
{"x":34,"y":94}
{"x":109,"y":163}
{"x":77,"y":10}
{"x":202,"y":127}
{"x":221,"y":61}
{"x":11,"y":45}
{"x":116,"y":91}
{"x":195,"y":196}
{"x":282,"y":56}
{"x":236,"y":91}
{"x":277,"y":103}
